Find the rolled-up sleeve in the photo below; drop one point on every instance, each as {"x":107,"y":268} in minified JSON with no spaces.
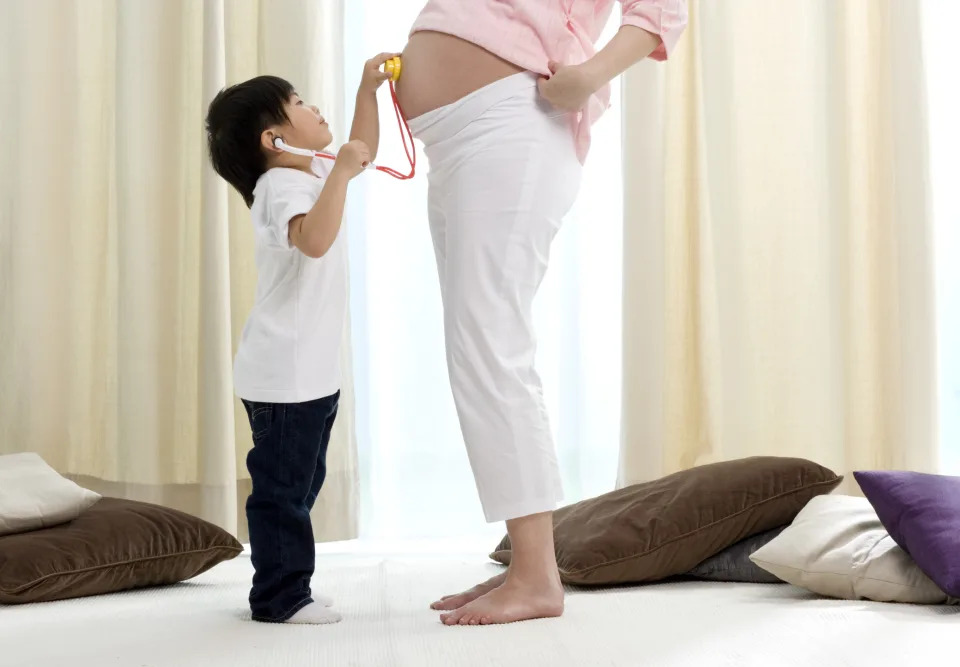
{"x":285,"y":194}
{"x":666,"y":18}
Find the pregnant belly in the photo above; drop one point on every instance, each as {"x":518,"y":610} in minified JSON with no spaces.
{"x":440,"y":69}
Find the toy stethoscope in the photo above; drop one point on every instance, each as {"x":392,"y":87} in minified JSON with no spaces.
{"x":391,"y":67}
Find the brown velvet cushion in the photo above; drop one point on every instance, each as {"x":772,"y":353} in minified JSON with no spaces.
{"x":113,"y":546}
{"x":666,"y":527}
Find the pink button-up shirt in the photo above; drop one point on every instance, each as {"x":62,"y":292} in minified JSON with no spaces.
{"x":530,"y":33}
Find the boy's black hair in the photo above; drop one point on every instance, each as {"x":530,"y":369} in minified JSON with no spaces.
{"x":236,"y":118}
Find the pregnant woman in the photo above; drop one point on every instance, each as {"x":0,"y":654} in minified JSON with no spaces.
{"x":503,"y":93}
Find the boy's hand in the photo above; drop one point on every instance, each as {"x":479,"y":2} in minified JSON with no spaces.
{"x":373,"y":78}
{"x":352,"y":158}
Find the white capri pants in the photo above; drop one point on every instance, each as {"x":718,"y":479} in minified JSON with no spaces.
{"x":503,"y":173}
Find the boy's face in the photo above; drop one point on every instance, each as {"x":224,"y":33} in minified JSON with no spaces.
{"x":306,"y":128}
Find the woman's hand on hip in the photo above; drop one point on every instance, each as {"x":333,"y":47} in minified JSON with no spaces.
{"x":568,"y":87}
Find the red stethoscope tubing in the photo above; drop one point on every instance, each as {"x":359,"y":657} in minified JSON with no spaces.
{"x":409,"y":149}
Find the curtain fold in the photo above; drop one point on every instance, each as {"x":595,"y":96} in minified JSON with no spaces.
{"x":127,"y":264}
{"x":778,"y":263}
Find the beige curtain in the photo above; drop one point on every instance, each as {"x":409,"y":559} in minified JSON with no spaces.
{"x":126,"y":265}
{"x":778,"y":265}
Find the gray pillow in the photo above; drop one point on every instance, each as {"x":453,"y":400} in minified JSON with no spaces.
{"x":734,"y":564}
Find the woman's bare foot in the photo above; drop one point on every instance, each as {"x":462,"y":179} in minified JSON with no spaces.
{"x":451,"y":602}
{"x":529,"y":589}
{"x":509,"y":603}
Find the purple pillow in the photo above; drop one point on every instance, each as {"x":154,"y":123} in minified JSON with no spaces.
{"x":922,"y":514}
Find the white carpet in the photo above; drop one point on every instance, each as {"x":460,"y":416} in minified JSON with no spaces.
{"x":387,"y":622}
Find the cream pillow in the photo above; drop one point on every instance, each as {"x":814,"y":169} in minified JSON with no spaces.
{"x":33,"y":495}
{"x":837,"y":547}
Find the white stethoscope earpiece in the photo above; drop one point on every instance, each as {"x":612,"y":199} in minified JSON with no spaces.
{"x":278,"y":142}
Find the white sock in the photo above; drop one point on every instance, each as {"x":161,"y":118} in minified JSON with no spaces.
{"x":315,"y":614}
{"x":323,"y":600}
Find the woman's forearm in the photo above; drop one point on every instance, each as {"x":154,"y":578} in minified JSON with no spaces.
{"x":570,"y":87}
{"x":629,"y":46}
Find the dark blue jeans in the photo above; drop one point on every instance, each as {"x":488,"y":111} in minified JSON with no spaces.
{"x":287,"y":464}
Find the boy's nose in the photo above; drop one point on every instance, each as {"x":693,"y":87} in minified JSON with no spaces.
{"x":315,"y":109}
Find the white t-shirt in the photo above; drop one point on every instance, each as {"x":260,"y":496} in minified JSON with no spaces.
{"x":290,"y":348}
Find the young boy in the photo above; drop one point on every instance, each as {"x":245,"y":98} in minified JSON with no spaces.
{"x":287,"y":370}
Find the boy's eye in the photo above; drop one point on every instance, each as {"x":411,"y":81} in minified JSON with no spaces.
{"x":299,"y":103}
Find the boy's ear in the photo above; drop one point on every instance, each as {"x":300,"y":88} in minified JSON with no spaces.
{"x":268,"y":141}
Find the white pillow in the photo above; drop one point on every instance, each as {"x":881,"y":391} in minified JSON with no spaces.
{"x":33,"y":495}
{"x":837,"y":547}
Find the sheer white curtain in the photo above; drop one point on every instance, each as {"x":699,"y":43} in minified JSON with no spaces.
{"x":941,"y":18}
{"x":779,"y":297}
{"x":414,"y":472}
